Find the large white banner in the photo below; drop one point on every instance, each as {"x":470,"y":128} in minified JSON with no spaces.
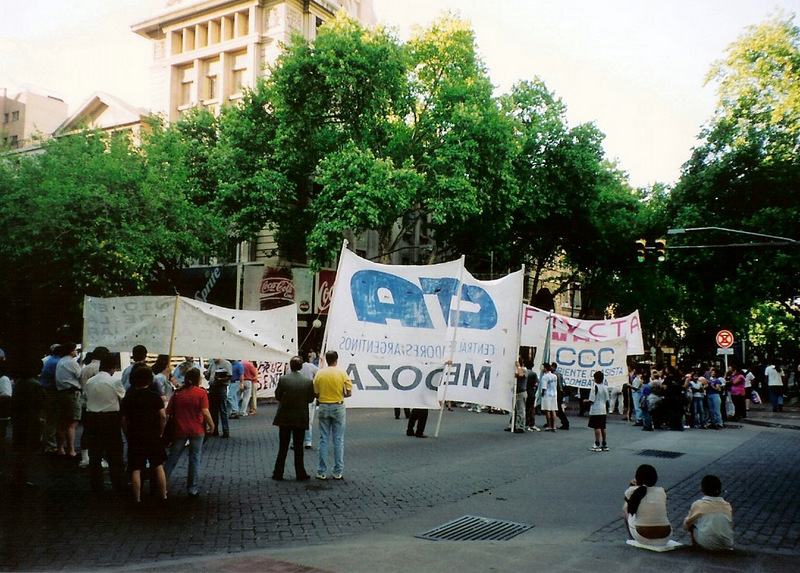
{"x":394,"y":328}
{"x":575,"y":330}
{"x":578,"y":361}
{"x":189,"y":328}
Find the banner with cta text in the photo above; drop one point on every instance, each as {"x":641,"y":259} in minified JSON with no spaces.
{"x":567,"y":329}
{"x":394,"y":327}
{"x":578,"y":361}
{"x":188,"y":327}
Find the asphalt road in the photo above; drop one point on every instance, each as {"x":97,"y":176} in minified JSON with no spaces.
{"x":397,"y":487}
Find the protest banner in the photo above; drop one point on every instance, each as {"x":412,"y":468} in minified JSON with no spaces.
{"x":568,"y":329}
{"x":394,"y":327}
{"x":182,"y":326}
{"x":578,"y":361}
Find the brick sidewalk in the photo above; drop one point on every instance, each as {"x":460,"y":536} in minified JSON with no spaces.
{"x":766,"y":512}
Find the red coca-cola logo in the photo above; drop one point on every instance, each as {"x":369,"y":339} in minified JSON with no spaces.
{"x":304,"y":306}
{"x":277,"y":287}
{"x":325,"y":295}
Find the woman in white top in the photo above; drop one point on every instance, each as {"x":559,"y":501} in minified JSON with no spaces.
{"x":645,"y":509}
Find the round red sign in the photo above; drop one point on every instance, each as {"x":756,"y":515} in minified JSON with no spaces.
{"x":725,"y":339}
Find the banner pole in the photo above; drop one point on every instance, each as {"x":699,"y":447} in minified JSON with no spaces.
{"x":333,"y":300}
{"x":449,"y":361}
{"x":174,"y":328}
{"x":519,"y":331}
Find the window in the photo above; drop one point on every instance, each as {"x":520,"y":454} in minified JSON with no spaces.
{"x":5,"y":118}
{"x":14,"y":116}
{"x":14,"y":141}
{"x":238,"y":72}
{"x":212,"y":79}
{"x":185,"y":83}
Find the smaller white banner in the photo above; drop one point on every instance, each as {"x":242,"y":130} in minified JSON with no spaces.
{"x":578,"y":361}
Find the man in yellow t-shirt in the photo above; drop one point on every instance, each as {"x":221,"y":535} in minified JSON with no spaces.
{"x":331,"y":386}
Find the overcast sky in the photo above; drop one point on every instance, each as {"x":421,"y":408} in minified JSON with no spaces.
{"x":634,"y":67}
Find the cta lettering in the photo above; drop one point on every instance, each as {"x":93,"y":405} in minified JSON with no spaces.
{"x":379,"y":296}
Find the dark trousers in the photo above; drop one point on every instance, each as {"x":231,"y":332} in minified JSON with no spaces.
{"x":103,"y":435}
{"x":562,"y":417}
{"x":419,"y":416}
{"x":218,"y":405}
{"x":739,"y":406}
{"x":296,"y":435}
{"x":530,"y":411}
{"x":406,"y":411}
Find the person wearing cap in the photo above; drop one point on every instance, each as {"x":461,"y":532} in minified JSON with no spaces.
{"x":70,"y":401}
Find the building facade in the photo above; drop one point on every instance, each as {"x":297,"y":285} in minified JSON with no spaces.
{"x":28,"y":114}
{"x":205,"y":52}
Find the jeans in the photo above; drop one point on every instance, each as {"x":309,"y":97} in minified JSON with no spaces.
{"x":332,"y":419}
{"x":307,"y":435}
{"x":218,"y":404}
{"x":698,"y":412}
{"x":233,"y":397}
{"x":637,"y":405}
{"x":519,"y":411}
{"x":714,"y":412}
{"x":776,"y":397}
{"x":244,"y":405}
{"x":647,"y":419}
{"x":195,"y":452}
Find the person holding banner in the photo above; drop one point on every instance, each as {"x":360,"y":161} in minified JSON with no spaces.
{"x":331,"y":387}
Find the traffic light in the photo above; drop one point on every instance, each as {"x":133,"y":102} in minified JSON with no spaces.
{"x":661,"y":250}
{"x":641,"y":250}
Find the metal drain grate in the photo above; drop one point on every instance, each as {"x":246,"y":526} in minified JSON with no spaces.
{"x":660,"y":454}
{"x":474,"y":528}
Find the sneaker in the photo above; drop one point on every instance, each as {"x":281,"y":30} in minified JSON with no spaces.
{"x":604,"y":448}
{"x":536,"y":428}
{"x":338,"y":476}
{"x":595,"y":449}
{"x":321,"y":476}
{"x":83,"y":464}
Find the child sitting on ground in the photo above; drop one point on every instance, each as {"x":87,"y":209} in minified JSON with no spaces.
{"x":710,"y":519}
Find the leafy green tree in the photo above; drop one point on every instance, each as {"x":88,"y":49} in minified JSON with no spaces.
{"x":357,"y":132}
{"x":744,"y":175}
{"x":89,"y":215}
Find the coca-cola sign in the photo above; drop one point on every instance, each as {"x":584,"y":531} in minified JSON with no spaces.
{"x":277,"y":288}
{"x":325,"y":280}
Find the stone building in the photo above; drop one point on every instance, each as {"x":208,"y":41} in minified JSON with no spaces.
{"x":28,"y":114}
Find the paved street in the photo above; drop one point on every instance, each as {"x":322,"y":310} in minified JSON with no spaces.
{"x":397,"y":487}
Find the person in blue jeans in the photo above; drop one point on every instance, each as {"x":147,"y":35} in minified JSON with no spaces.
{"x":189,"y":407}
{"x":696,"y":385}
{"x":235,"y":387}
{"x":713,"y":390}
{"x":331,"y":387}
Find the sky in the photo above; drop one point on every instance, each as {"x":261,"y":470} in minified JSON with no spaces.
{"x":636,"y":68}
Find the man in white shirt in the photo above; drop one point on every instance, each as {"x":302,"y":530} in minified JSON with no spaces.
{"x":103,"y":430}
{"x":775,"y":384}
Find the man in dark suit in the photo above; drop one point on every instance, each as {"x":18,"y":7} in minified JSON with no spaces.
{"x":294,"y":393}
